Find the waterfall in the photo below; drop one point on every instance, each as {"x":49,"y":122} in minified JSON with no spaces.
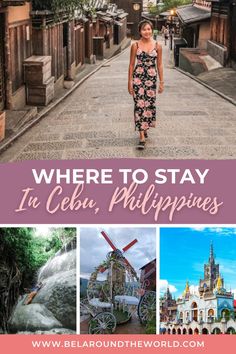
{"x":53,"y":309}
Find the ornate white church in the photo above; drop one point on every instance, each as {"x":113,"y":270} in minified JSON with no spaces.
{"x":210,"y":311}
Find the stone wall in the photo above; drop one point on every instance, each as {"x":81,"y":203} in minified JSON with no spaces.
{"x":218,"y":52}
{"x":190,"y":61}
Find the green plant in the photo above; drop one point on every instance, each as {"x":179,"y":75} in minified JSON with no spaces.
{"x":68,"y":7}
{"x":28,"y":251}
{"x":151,"y":326}
{"x":167,"y":5}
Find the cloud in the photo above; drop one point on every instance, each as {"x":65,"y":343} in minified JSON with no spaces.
{"x":198,"y":228}
{"x":223,"y":231}
{"x":163,"y":286}
{"x":94,"y":248}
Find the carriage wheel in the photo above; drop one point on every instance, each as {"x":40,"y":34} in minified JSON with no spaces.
{"x":103,"y":323}
{"x":147,"y":307}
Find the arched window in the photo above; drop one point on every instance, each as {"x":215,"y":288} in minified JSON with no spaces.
{"x":211,"y":313}
{"x":194,"y":311}
{"x":204,"y":331}
{"x":216,"y":331}
{"x":231,"y":330}
{"x":225,"y":313}
{"x":201,"y":316}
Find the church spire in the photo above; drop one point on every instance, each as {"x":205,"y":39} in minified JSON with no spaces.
{"x":186,"y":292}
{"x":219,"y":284}
{"x":211,"y":258}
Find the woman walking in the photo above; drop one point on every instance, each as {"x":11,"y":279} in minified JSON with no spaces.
{"x":142,"y":80}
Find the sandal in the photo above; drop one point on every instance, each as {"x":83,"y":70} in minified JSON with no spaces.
{"x":141,"y":145}
{"x":145,"y":134}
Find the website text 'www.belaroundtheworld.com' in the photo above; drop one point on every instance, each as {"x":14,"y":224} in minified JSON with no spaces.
{"x":118,"y":344}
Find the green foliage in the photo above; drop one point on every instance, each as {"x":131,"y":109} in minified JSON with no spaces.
{"x":167,"y":5}
{"x":153,"y":9}
{"x":27,"y":251}
{"x":121,"y":316}
{"x":59,"y":237}
{"x":151,"y":326}
{"x":65,"y":6}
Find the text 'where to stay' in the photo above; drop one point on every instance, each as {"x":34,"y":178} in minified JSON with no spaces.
{"x":105,"y":176}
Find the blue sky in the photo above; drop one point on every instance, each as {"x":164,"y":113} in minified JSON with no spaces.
{"x":185,"y":250}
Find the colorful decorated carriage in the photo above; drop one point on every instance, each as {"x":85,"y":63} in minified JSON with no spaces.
{"x":113,"y":301}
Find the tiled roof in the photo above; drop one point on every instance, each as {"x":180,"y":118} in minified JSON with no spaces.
{"x":190,"y":14}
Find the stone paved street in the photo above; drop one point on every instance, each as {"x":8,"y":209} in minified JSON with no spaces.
{"x":96,"y":121}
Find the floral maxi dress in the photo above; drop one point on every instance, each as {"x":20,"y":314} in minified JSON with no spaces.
{"x":144,"y":85}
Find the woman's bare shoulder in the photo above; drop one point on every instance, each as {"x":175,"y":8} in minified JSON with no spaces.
{"x":134,"y":45}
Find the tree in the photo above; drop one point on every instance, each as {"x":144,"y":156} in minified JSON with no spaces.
{"x":167,"y":5}
{"x":22,"y":253}
{"x":69,"y":7}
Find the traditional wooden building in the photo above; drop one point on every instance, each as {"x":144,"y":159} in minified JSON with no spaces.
{"x":72,"y":41}
{"x":222,"y":43}
{"x":68,"y":40}
{"x":194,"y":22}
{"x":15,"y":47}
{"x":32,"y":31}
{"x":109,"y":28}
{"x":134,"y":8}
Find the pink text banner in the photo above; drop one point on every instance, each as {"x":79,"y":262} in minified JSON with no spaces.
{"x":122,"y":191}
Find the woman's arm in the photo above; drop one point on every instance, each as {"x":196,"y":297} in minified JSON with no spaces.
{"x":131,"y":68}
{"x":160,"y":68}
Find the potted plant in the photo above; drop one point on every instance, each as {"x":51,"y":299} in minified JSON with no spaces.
{"x":2,"y":125}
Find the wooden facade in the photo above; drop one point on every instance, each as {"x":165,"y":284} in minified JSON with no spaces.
{"x":69,"y":42}
{"x":194,"y":23}
{"x":223,"y":30}
{"x":104,"y":27}
{"x":2,"y":63}
{"x":15,"y":47}
{"x":56,"y":40}
{"x":220,"y":23}
{"x":79,"y":44}
{"x":20,"y":49}
{"x":109,"y":28}
{"x":88,"y":38}
{"x":134,"y":8}
{"x":233,"y":34}
{"x":120,"y":29}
